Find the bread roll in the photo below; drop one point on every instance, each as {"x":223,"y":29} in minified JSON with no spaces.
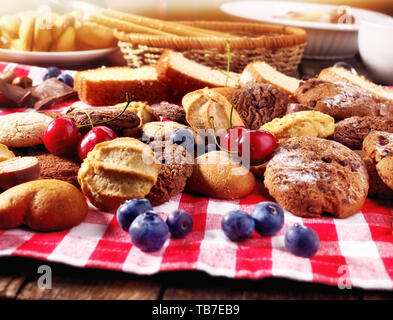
{"x":43,"y":205}
{"x":217,"y":175}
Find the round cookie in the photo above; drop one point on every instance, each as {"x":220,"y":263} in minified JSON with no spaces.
{"x":23,"y":129}
{"x":259,"y":103}
{"x":118,"y":170}
{"x":56,"y":167}
{"x":176,"y":168}
{"x":340,"y":100}
{"x":378,"y":189}
{"x":310,"y":176}
{"x":352,"y":131}
{"x":378,"y":147}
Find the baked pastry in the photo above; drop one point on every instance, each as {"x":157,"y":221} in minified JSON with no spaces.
{"x":118,"y":170}
{"x":380,"y":93}
{"x":378,"y":147}
{"x":310,"y":176}
{"x":109,"y":86}
{"x":261,"y":72}
{"x":378,"y":189}
{"x":352,"y":131}
{"x":203,"y":104}
{"x":340,"y":99}
{"x":43,"y":205}
{"x":176,"y":168}
{"x":303,"y":123}
{"x":158,"y":130}
{"x":171,"y":111}
{"x":183,"y":75}
{"x":127,"y":121}
{"x":5,"y":153}
{"x":18,"y":170}
{"x":217,"y":175}
{"x":23,"y":129}
{"x":144,"y":112}
{"x":259,"y":103}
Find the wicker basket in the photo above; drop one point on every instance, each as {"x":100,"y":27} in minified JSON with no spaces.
{"x":279,"y":46}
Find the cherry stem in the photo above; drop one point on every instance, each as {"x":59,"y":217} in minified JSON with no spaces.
{"x":106,"y":121}
{"x":231,"y":114}
{"x":215,"y":138}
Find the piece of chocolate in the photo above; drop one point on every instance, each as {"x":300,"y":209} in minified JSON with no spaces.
{"x":50,"y":92}
{"x":15,"y":96}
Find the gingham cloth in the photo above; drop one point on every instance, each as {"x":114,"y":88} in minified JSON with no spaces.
{"x":354,"y":252}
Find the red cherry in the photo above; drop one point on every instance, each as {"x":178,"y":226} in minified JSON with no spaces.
{"x":258,"y":145}
{"x":230,"y":139}
{"x":61,"y":136}
{"x":96,"y":135}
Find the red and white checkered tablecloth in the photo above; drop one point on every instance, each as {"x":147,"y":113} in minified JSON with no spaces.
{"x":356,"y":252}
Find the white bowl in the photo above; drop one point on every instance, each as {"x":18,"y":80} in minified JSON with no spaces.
{"x":325,"y":40}
{"x":376,"y":50}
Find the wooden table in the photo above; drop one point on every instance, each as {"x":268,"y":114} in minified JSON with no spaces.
{"x":19,"y":276}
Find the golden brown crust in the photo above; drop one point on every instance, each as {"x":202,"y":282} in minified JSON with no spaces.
{"x":118,"y":170}
{"x":216,"y":175}
{"x":44,"y":205}
{"x":104,"y":91}
{"x":182,"y":83}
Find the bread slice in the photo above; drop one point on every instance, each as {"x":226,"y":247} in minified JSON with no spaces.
{"x":183,"y":75}
{"x":335,"y":74}
{"x":109,"y":86}
{"x":260,"y":71}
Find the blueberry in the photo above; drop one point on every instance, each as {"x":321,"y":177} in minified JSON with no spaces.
{"x":269,"y":218}
{"x":66,"y":78}
{"x":51,"y":72}
{"x":179,"y":223}
{"x":148,"y":232}
{"x":183,"y":137}
{"x":130,"y":209}
{"x":237,"y":225}
{"x":301,"y":241}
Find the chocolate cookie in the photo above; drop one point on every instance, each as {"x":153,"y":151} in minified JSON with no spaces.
{"x":172,"y":112}
{"x":310,"y":176}
{"x":56,"y":167}
{"x":176,"y":168}
{"x":340,"y":100}
{"x":259,"y":103}
{"x":378,"y":189}
{"x":378,"y":147}
{"x":352,"y":131}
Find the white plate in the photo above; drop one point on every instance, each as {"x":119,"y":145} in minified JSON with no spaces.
{"x":70,"y":58}
{"x":325,"y":40}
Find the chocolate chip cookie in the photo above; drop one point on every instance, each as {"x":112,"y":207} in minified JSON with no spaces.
{"x":259,"y":103}
{"x":378,"y":146}
{"x":340,"y":100}
{"x":352,"y":131}
{"x":310,"y":176}
{"x":176,"y":168}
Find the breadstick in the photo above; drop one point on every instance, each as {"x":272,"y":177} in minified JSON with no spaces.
{"x":166,"y":26}
{"x":124,"y":25}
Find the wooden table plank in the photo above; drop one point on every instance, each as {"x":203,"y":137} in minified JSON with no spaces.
{"x":70,"y":283}
{"x":200,"y":286}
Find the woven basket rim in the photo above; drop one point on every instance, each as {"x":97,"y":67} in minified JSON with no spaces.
{"x":288,"y":36}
